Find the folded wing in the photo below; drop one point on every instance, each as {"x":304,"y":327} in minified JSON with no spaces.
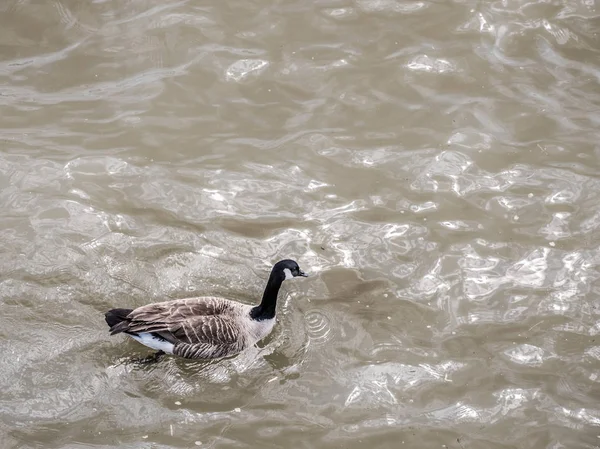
{"x":190,"y":321}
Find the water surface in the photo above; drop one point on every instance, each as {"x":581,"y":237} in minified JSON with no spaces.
{"x":434,"y":165}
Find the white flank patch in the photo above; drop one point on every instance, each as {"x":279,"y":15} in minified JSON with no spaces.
{"x":151,"y":341}
{"x":288,"y":274}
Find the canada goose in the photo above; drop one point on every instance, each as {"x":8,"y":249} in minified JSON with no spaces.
{"x":205,"y":327}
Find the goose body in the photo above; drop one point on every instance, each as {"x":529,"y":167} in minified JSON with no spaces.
{"x":204,"y":327}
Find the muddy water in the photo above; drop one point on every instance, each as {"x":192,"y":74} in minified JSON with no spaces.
{"x":434,"y":165}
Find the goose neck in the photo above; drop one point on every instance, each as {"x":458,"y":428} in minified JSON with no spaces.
{"x":267,"y":307}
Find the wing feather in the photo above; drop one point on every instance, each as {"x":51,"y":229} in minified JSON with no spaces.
{"x":207,"y":351}
{"x":195,"y":321}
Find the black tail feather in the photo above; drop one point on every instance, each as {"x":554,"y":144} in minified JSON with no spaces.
{"x":115,"y":317}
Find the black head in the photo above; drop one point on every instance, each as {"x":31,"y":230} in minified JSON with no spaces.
{"x":288,"y":268}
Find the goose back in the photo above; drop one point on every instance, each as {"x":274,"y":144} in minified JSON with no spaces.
{"x":205,"y":327}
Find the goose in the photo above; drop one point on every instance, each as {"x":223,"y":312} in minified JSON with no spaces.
{"x":203,"y":327}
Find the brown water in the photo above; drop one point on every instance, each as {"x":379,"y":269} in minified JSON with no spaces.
{"x":435,"y":165}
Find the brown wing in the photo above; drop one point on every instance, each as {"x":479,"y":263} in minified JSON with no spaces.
{"x":179,"y":309}
{"x":207,"y":351}
{"x":190,"y":321}
{"x":213,"y":330}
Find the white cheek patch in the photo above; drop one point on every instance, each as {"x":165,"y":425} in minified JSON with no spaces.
{"x":288,"y":274}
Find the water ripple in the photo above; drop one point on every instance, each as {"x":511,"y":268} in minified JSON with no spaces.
{"x":434,"y":166}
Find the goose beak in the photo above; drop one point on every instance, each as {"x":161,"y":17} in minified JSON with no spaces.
{"x":302,"y":273}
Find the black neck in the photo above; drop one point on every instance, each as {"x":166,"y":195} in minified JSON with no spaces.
{"x":266,"y":309}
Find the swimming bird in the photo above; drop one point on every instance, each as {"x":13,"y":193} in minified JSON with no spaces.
{"x":204,"y":327}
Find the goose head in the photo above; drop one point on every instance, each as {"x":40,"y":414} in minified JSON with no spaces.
{"x":288,"y":269}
